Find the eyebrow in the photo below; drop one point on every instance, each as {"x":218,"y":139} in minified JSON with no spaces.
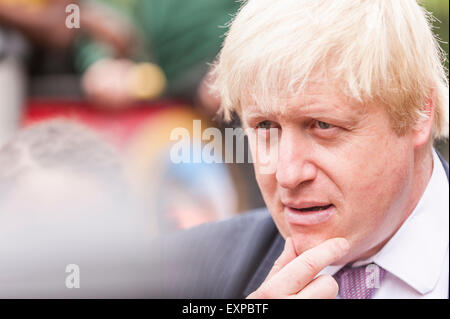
{"x":340,"y":112}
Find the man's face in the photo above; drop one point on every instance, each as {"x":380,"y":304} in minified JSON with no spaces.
{"x":341,"y":170}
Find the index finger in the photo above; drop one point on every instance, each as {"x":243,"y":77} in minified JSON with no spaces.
{"x":286,"y":257}
{"x":300,"y":271}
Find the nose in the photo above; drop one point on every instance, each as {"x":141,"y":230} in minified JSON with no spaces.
{"x":295,"y":163}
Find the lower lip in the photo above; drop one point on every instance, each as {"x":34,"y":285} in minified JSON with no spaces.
{"x":296,"y":217}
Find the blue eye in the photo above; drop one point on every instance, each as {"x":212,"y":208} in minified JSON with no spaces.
{"x":324,"y":125}
{"x":265,"y":125}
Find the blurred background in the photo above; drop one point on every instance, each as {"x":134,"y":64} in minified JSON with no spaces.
{"x":439,"y":9}
{"x":133,"y":71}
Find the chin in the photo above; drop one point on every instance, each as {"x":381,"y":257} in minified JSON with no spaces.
{"x":305,"y":241}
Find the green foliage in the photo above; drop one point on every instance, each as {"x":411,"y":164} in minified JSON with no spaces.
{"x":440,"y":10}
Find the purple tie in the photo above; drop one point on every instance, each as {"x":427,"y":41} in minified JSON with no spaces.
{"x":359,"y":282}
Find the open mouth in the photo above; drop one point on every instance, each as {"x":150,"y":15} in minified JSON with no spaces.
{"x":313,"y":208}
{"x":310,"y":215}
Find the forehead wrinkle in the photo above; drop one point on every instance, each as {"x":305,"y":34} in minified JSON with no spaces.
{"x":328,"y":98}
{"x":317,"y":97}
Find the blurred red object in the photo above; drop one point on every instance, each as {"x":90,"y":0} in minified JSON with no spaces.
{"x":117,"y":127}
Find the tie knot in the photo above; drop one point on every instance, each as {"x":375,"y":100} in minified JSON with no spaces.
{"x":359,"y":282}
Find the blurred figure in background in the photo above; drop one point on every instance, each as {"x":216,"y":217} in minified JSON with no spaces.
{"x":64,"y":201}
{"x":34,"y":35}
{"x":62,"y":156}
{"x":190,"y":194}
{"x":169,"y":46}
{"x":173,"y":43}
{"x":12,"y":82}
{"x":21,"y":22}
{"x":115,"y":42}
{"x":180,"y":195}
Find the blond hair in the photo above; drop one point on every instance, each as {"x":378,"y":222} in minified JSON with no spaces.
{"x":378,"y":50}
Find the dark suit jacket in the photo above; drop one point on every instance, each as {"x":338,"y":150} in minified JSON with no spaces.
{"x":227,"y":259}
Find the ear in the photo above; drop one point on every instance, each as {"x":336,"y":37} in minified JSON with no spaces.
{"x":423,"y":128}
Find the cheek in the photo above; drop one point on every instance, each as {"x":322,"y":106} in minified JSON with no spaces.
{"x":381,"y":169}
{"x":375,"y":184}
{"x":266,"y":178}
{"x":267,"y":184}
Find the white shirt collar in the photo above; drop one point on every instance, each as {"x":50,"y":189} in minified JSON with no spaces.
{"x":416,"y":252}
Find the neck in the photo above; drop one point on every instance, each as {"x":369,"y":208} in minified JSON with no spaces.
{"x":423,"y":168}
